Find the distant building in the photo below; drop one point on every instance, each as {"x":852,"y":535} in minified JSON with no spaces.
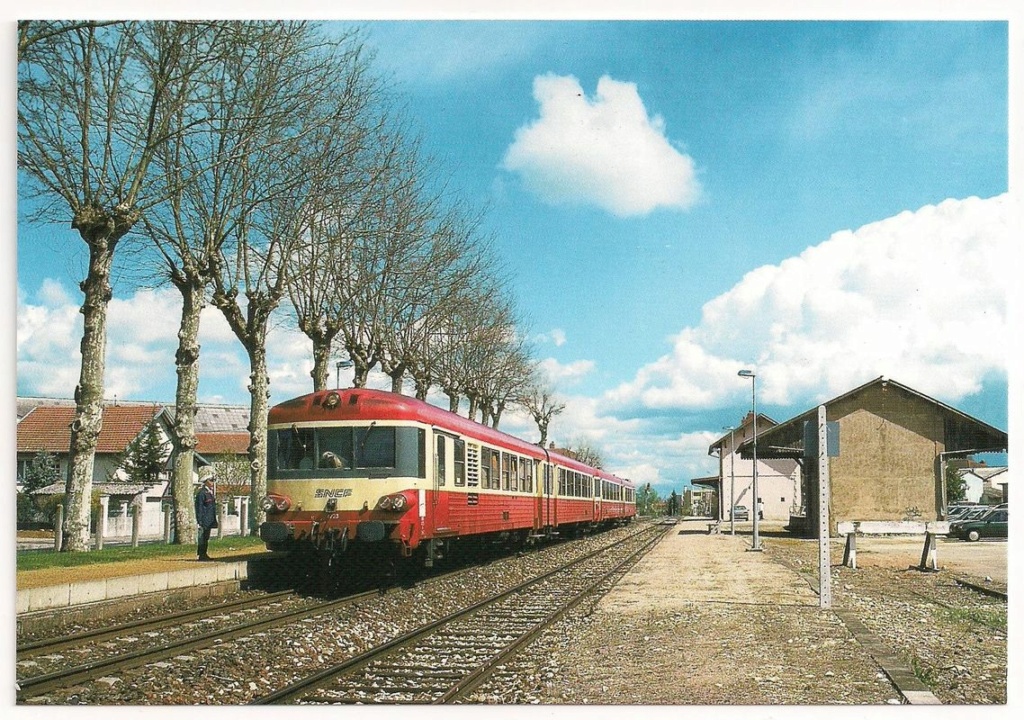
{"x":894,"y":443}
{"x":778,"y":479}
{"x":987,"y":485}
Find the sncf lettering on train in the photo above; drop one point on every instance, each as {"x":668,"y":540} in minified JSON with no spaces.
{"x":332,"y":493}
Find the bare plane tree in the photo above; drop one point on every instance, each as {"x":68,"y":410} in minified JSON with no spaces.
{"x":234,"y":106}
{"x":540,"y":402}
{"x":282,"y":178}
{"x":95,"y":104}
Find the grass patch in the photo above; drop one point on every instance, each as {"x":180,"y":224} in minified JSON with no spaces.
{"x":45,"y":559}
{"x":994,"y":618}
{"x":922,"y":672}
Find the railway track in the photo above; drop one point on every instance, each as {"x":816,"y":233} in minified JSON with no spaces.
{"x":33,"y":686}
{"x":445,"y":660}
{"x":46,"y":646}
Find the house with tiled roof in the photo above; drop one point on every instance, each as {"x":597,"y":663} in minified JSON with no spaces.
{"x":44,"y":425}
{"x":47,"y":428}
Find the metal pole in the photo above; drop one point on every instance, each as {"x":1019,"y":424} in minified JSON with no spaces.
{"x":757,"y":498}
{"x":732,"y":480}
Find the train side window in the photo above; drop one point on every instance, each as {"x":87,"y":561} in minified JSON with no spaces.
{"x":460,"y":462}
{"x":485,"y":467}
{"x":441,"y":464}
{"x":495,"y":470}
{"x":506,"y":471}
{"x":547,"y":480}
{"x":526,"y":475}
{"x":513,"y":472}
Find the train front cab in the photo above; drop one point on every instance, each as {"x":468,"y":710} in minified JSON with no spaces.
{"x":332,"y":486}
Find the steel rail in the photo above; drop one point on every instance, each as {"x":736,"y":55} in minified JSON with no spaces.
{"x":481,"y":674}
{"x":64,"y":642}
{"x":358,"y":662}
{"x":32,"y":687}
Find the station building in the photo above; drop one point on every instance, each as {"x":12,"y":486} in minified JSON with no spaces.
{"x":894,"y":444}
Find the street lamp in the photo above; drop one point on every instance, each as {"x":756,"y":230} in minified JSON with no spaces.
{"x":753,"y":403}
{"x":732,"y":478}
{"x":341,"y":364}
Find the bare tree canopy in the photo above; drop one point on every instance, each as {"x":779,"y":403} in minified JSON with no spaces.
{"x":95,"y":103}
{"x":539,"y":400}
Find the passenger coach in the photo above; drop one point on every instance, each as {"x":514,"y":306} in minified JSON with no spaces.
{"x":357,"y":471}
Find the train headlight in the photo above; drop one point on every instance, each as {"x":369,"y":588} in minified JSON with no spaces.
{"x":275,"y":503}
{"x":393,"y":503}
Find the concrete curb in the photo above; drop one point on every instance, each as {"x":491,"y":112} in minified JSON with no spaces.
{"x":914,"y":691}
{"x":81,"y":593}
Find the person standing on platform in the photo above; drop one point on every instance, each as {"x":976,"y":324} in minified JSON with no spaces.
{"x":206,"y":515}
{"x":760,"y":509}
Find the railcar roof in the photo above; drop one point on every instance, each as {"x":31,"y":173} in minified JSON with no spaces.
{"x":367,"y":404}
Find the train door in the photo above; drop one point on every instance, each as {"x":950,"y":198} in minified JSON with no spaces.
{"x":443,"y":479}
{"x":597,"y":498}
{"x":547,"y":501}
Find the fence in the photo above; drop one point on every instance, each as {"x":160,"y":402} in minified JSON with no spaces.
{"x":154,"y":522}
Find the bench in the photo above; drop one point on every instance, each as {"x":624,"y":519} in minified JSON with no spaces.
{"x":929,"y":556}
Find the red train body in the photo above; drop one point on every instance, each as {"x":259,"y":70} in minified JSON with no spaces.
{"x":353,"y":470}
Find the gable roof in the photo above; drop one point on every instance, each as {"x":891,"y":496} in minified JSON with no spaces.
{"x":222,"y":443}
{"x":48,"y":427}
{"x":964,"y":434}
{"x":763,"y":423}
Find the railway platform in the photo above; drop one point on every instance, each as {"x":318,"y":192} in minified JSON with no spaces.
{"x":90,"y":585}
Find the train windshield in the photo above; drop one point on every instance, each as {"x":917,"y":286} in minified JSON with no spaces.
{"x":348,"y":451}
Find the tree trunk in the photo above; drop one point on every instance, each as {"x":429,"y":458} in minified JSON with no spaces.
{"x":187,"y":361}
{"x":85,"y":429}
{"x":496,"y":415}
{"x":321,"y":361}
{"x":453,"y":402}
{"x":259,"y":390}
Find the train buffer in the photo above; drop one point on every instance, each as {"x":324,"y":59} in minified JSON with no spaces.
{"x":930,"y":530}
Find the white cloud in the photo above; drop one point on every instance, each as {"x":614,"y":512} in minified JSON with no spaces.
{"x":604,"y":151}
{"x":565,"y":374}
{"x":920,"y":297}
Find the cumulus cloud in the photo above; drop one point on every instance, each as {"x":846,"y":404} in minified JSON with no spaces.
{"x":142,"y":339}
{"x":920,"y":297}
{"x":565,"y":374}
{"x":605,"y":151}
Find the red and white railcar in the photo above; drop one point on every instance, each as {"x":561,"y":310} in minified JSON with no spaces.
{"x":357,"y":469}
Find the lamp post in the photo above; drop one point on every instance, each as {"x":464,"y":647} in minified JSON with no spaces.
{"x":337,"y":377}
{"x":732,"y":479}
{"x":756,"y":544}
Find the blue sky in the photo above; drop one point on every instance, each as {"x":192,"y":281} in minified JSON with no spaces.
{"x":825,"y":202}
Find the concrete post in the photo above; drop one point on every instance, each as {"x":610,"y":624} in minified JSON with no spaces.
{"x":243,"y":516}
{"x":58,"y":533}
{"x":101,"y":522}
{"x":136,"y":525}
{"x":222,"y":511}
{"x":167,"y":525}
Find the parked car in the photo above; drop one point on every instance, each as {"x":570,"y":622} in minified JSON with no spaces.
{"x":975,"y":513}
{"x":957,"y":512}
{"x":740,"y":512}
{"x":993,"y":524}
